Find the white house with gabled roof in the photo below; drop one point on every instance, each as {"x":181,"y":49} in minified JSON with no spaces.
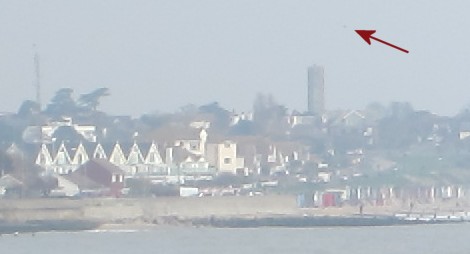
{"x":81,"y":155}
{"x":44,"y":157}
{"x":99,"y":152}
{"x":62,"y":160}
{"x":117,"y":156}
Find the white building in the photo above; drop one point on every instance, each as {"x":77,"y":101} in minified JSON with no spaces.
{"x":223,"y":156}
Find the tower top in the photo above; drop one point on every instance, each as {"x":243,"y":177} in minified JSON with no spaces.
{"x":315,"y":90}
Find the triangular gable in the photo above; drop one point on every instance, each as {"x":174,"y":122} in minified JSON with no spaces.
{"x":354,"y":113}
{"x":44,"y":156}
{"x":188,"y":159}
{"x":8,"y":181}
{"x":135,"y":156}
{"x":117,"y":156}
{"x":62,"y":157}
{"x":99,"y":152}
{"x":272,"y":155}
{"x":281,"y":158}
{"x":81,"y":155}
{"x":13,"y":149}
{"x":201,"y":159}
{"x":350,"y":118}
{"x":153,"y":155}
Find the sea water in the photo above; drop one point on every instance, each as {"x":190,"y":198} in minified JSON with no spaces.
{"x":427,"y":239}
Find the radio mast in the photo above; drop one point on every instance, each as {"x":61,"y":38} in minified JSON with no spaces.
{"x":38,"y":77}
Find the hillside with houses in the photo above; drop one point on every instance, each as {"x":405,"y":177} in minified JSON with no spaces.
{"x":71,"y":149}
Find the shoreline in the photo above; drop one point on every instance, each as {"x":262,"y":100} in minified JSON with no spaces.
{"x":280,"y":221}
{"x":34,"y":226}
{"x":36,"y":215}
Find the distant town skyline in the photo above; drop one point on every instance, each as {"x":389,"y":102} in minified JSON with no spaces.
{"x":159,"y":55}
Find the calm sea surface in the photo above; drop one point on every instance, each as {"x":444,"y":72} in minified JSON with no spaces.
{"x":426,"y":239}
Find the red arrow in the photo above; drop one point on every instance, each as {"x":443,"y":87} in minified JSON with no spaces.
{"x":367,"y":35}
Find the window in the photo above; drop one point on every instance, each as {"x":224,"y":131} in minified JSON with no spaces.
{"x":133,"y":158}
{"x":227,"y":160}
{"x":227,"y":145}
{"x":81,"y":159}
{"x":61,"y":158}
{"x":42,"y":159}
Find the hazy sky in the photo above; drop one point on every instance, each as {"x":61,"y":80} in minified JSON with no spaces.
{"x":160,"y":55}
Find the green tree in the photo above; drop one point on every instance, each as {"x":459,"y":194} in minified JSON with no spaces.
{"x":62,"y":103}
{"x":243,"y":128}
{"x":268,"y":115}
{"x":5,"y":163}
{"x":28,"y":108}
{"x":91,"y":101}
{"x":221,"y":116}
{"x":375,"y":111}
{"x":11,"y":130}
{"x":403,"y":126}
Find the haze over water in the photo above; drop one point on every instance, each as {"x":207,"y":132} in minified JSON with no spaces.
{"x":427,"y":239}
